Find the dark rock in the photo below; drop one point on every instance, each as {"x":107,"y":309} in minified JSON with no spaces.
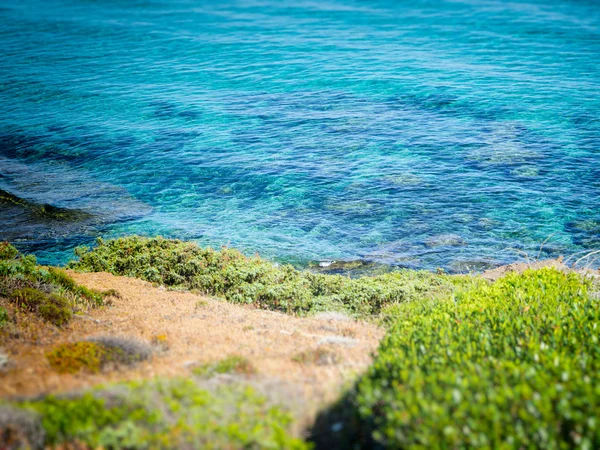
{"x":41,"y":211}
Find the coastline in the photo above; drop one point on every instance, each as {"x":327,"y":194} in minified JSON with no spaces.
{"x":300,"y":341}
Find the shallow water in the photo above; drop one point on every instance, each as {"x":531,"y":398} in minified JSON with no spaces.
{"x":458,"y":134}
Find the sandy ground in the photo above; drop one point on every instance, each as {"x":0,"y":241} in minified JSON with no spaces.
{"x":197,"y":330}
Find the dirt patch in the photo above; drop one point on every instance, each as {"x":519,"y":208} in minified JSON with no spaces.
{"x":188,"y":330}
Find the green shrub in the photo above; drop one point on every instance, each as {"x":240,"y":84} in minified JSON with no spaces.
{"x":514,"y":364}
{"x":164,"y":415}
{"x":47,"y":291}
{"x":56,"y":311}
{"x":50,"y":307}
{"x":232,"y":364}
{"x":7,"y":251}
{"x":229,"y":274}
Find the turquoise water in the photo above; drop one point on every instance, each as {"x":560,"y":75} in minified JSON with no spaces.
{"x":457,"y":134}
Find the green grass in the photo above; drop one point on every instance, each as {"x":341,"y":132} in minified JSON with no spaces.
{"x":229,"y":274}
{"x":513,"y":364}
{"x":165,"y":414}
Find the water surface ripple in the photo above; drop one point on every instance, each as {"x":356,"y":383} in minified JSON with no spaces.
{"x":457,"y":134}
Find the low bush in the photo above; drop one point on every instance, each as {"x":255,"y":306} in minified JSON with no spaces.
{"x":232,"y":364}
{"x":50,"y":307}
{"x":240,"y":279}
{"x":49,"y":292}
{"x":123,"y":350}
{"x":514,"y":364}
{"x":97,"y":353}
{"x":164,"y":415}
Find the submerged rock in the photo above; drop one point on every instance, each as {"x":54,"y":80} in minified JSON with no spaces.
{"x":470,"y":266}
{"x":445,"y":240}
{"x":486,"y":224}
{"x":358,"y":267}
{"x":586,"y":232}
{"x":525,"y":172}
{"x":404,"y":179}
{"x":41,"y":211}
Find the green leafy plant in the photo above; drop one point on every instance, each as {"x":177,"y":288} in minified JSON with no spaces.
{"x":513,"y":364}
{"x":165,"y":414}
{"x":229,"y":274}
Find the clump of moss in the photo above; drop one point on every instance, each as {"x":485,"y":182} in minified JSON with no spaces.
{"x":76,"y":356}
{"x":232,"y":364}
{"x":164,"y":414}
{"x":48,"y":292}
{"x":229,"y":274}
{"x":97,"y":353}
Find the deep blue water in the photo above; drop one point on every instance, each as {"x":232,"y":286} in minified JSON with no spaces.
{"x":416,"y":133}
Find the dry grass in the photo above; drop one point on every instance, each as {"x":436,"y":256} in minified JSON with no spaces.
{"x":190,"y":336}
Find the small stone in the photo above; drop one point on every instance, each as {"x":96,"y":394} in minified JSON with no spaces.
{"x":326,"y":263}
{"x":337,"y":340}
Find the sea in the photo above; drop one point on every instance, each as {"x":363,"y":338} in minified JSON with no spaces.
{"x":453,"y":134}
